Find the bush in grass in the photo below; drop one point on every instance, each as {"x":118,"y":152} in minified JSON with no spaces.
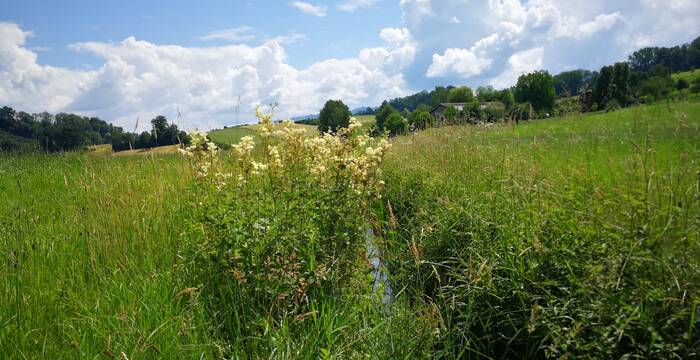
{"x":421,"y":119}
{"x":395,"y":124}
{"x":612,"y":105}
{"x":279,"y":229}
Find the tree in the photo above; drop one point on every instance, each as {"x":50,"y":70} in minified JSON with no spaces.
{"x":462,"y":94}
{"x":602,"y":89}
{"x":486,"y":93}
{"x":570,"y":83}
{"x":145,"y":140}
{"x":536,"y":88}
{"x":507,"y":98}
{"x":438,"y":96}
{"x":696,"y":86}
{"x":656,"y":86}
{"x":383,"y":114}
{"x":396,"y":124}
{"x":7,"y":117}
{"x":620,"y":91}
{"x":643,"y":59}
{"x":159,"y":124}
{"x":334,"y":116}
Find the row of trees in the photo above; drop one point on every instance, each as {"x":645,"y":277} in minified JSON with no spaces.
{"x":64,"y":132}
{"x":645,"y":77}
{"x":678,"y":58}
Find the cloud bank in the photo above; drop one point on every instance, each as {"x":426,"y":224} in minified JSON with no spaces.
{"x":142,"y":79}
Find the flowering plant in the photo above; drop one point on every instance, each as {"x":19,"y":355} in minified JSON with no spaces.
{"x":282,"y":222}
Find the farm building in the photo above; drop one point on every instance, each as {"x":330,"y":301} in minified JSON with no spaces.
{"x":439,"y":110}
{"x":488,"y":112}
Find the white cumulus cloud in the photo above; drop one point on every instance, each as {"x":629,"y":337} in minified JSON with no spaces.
{"x":492,"y":34}
{"x":315,"y":10}
{"x":142,"y":79}
{"x":239,"y":34}
{"x":518,"y":64}
{"x":459,"y":62}
{"x":352,"y":5}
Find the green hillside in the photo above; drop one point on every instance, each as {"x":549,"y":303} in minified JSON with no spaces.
{"x":574,"y":237}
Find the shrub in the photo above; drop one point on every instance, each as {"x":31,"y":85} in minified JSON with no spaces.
{"x":695,"y":89}
{"x":275,"y":233}
{"x":395,"y":124}
{"x":522,"y":112}
{"x":612,"y":105}
{"x":420,"y":119}
{"x":382,"y":115}
{"x":568,"y":106}
{"x":647,"y":99}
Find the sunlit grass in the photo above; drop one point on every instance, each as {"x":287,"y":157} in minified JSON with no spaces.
{"x":579,"y":214}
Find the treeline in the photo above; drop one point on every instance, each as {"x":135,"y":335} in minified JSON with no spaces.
{"x":644,"y":77}
{"x":21,"y":131}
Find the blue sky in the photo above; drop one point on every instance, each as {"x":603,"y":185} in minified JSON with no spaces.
{"x":56,"y":24}
{"x":125,"y":59}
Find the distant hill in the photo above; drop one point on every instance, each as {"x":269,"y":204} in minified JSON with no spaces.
{"x":304,"y":117}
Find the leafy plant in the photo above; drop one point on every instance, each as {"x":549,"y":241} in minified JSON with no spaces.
{"x":277,"y":235}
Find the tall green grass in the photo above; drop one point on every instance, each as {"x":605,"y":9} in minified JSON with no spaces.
{"x":87,"y":247}
{"x":563,"y":237}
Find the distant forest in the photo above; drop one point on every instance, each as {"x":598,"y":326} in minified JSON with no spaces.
{"x":21,"y":131}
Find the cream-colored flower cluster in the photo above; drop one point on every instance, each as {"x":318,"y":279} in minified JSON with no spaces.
{"x":203,"y":151}
{"x":346,"y":159}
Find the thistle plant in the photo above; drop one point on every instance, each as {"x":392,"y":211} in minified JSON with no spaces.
{"x":281,"y":225}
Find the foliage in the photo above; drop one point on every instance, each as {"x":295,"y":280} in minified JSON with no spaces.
{"x":677,"y":58}
{"x":489,"y":94}
{"x":656,"y":86}
{"x":569,"y":238}
{"x":383,"y":113}
{"x":462,"y":94}
{"x":567,"y":106}
{"x":490,"y":112}
{"x":450,"y":114}
{"x":682,"y":84}
{"x":431,"y":99}
{"x":274,"y":236}
{"x":522,"y":112}
{"x":65,"y":132}
{"x":570,"y":83}
{"x":555,"y":239}
{"x":537,"y":88}
{"x":695,"y":89}
{"x":334,"y":116}
{"x":396,"y":124}
{"x":421,"y":119}
{"x":14,"y":143}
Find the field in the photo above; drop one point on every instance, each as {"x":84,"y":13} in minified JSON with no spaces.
{"x":234,"y":134}
{"x":556,"y":237}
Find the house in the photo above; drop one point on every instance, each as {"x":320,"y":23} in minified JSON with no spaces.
{"x":439,"y":110}
{"x":488,"y":112}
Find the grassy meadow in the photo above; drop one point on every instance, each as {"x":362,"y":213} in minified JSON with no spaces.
{"x":573,"y":237}
{"x":234,"y":134}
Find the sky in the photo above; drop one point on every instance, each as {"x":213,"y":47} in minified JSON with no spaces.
{"x":123,"y":60}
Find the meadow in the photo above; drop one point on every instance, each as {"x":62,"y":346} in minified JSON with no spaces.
{"x":233,"y":135}
{"x":565,"y":237}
